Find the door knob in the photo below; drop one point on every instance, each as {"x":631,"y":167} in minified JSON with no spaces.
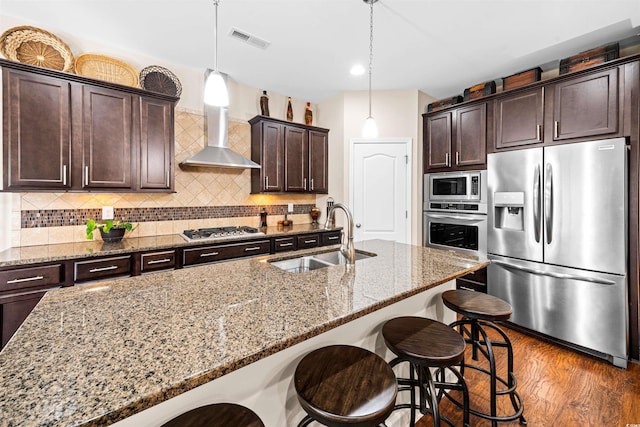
{"x":358,"y":225}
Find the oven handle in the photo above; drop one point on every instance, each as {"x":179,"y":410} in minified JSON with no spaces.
{"x":466,"y":218}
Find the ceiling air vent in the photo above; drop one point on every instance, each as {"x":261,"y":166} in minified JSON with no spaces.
{"x":249,"y":38}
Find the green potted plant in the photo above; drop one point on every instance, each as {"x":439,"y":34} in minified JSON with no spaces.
{"x":111,"y":231}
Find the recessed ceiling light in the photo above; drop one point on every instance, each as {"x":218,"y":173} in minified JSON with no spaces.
{"x":357,"y":70}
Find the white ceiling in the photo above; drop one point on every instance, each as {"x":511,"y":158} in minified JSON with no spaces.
{"x":438,"y":46}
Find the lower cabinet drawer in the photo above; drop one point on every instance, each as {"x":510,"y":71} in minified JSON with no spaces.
{"x":156,"y":261}
{"x":470,"y":285}
{"x":103,"y":268}
{"x":284,"y":244}
{"x":206,"y":254}
{"x":331,"y":238}
{"x":308,"y":241}
{"x":31,"y":277}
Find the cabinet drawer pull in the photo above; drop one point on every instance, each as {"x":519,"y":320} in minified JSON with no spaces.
{"x":168,"y":180}
{"x":310,"y":241}
{"x":26,"y":279}
{"x":333,"y":237}
{"x":539,"y":133}
{"x":266,"y":182}
{"x":304,"y":184}
{"x":253,"y":248}
{"x":159,"y":261}
{"x":209,"y":254}
{"x":556,"y":125}
{"x":286,"y":244}
{"x":457,"y":158}
{"x":311,"y":187}
{"x":86,"y":175}
{"x":64,"y":175}
{"x":446,"y":159}
{"x":99,"y":269}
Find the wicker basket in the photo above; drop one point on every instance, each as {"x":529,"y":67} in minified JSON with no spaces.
{"x":105,"y":68}
{"x":35,"y":46}
{"x":158,"y":79}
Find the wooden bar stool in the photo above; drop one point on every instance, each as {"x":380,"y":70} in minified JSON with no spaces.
{"x":342,"y":385}
{"x":217,"y":415}
{"x":479,"y":312}
{"x":425,"y":344}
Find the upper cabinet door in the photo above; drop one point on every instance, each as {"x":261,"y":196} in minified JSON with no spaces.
{"x":586,"y":106}
{"x":272,"y":157}
{"x":156,"y":148}
{"x":37,"y":132}
{"x":106,"y":138}
{"x":318,"y":162}
{"x":296,"y":160}
{"x":471,"y":136}
{"x":437,"y":134}
{"x":519,"y":118}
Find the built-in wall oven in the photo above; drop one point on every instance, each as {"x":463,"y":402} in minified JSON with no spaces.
{"x":455,"y":211}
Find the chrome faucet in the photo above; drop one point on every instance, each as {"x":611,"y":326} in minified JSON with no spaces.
{"x":348,"y":251}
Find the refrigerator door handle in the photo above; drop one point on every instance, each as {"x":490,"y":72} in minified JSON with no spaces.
{"x":536,"y":203}
{"x":548,"y":202}
{"x":552,"y":274}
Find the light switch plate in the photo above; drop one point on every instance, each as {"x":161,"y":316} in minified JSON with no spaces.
{"x":290,"y":207}
{"x":107,"y":212}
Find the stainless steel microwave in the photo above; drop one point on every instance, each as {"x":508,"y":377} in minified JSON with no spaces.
{"x":467,"y":186}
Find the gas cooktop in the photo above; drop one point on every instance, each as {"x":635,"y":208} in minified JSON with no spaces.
{"x":217,"y":233}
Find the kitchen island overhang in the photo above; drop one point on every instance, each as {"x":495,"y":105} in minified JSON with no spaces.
{"x":97,"y":354}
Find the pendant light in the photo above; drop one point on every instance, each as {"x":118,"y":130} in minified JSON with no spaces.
{"x":370,"y":129}
{"x":215,"y":89}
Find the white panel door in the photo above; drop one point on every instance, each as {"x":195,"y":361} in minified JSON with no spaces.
{"x":380,"y":191}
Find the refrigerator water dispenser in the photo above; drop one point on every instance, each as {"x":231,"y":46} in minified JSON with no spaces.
{"x":509,"y":210}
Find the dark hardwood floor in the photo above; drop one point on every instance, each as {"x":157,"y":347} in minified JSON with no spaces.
{"x":559,"y":387}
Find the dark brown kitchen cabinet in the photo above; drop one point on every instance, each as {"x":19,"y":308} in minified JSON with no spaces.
{"x":102,"y":268}
{"x":474,"y":281}
{"x":37,"y":147}
{"x":519,"y":118}
{"x":331,"y":238}
{"x":156,"y":261}
{"x":156,"y":144}
{"x":307,"y":241}
{"x":318,"y":162}
{"x":20,"y":291}
{"x":296,"y":159}
{"x":585,"y":106}
{"x":456,"y":139}
{"x":106,"y":138}
{"x":221,"y":252}
{"x":65,"y":132}
{"x":293,"y":157}
{"x":267,"y":149}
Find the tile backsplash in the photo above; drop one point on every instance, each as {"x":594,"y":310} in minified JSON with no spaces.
{"x":204,"y":197}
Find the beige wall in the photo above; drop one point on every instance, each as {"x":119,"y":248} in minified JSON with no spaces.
{"x":398,"y":115}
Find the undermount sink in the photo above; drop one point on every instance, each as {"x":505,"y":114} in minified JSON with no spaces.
{"x":307,"y":263}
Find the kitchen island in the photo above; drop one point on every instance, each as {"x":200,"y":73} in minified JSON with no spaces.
{"x":153,"y":346}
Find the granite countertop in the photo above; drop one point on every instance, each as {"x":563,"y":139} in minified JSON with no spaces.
{"x":94,"y":248}
{"x":95,"y":354}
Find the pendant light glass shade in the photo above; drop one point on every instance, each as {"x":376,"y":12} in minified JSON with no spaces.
{"x":215,"y":89}
{"x":370,"y":129}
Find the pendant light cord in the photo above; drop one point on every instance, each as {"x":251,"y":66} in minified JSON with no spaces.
{"x":370,"y":50}
{"x":215,"y":36}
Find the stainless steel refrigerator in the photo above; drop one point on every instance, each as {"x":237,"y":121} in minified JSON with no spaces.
{"x":557,"y":240}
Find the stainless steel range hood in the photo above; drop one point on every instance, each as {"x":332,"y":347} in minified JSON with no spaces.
{"x":217,"y":152}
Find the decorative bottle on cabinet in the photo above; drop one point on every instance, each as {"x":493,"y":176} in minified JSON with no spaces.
{"x":289,"y":110}
{"x":308,"y":114}
{"x":264,"y":103}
